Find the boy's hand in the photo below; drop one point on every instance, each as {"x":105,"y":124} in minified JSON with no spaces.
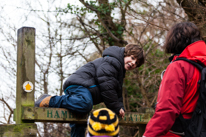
{"x":121,"y":113}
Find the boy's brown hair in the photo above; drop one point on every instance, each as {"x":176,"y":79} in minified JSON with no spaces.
{"x":136,"y":51}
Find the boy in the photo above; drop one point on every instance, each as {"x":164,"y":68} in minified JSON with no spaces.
{"x":98,"y":81}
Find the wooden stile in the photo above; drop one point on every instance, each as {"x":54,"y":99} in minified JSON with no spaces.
{"x":26,"y":114}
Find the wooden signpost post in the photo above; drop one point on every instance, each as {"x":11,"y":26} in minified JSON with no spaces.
{"x":26,"y":114}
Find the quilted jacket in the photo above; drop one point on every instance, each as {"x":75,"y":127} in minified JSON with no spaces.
{"x":177,"y":92}
{"x":103,"y":77}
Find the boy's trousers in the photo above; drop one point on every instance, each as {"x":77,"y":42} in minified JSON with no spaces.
{"x":77,"y":99}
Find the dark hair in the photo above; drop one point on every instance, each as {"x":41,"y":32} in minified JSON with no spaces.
{"x":180,"y":36}
{"x":136,"y":51}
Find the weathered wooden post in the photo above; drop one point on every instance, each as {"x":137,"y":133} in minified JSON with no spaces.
{"x":146,"y":111}
{"x":25,"y":85}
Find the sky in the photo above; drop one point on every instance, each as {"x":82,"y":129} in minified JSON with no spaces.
{"x":14,"y":9}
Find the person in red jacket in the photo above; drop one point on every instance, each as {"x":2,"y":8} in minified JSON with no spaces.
{"x":178,"y":90}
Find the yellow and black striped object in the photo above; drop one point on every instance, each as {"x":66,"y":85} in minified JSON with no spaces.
{"x":103,"y":122}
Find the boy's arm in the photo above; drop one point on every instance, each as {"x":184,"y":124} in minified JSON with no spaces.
{"x":110,"y":97}
{"x":121,"y":100}
{"x":107,"y":76}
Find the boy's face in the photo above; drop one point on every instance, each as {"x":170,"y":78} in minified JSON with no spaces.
{"x":130,"y":62}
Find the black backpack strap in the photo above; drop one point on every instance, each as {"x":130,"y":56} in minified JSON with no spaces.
{"x":200,"y":67}
{"x":181,"y":124}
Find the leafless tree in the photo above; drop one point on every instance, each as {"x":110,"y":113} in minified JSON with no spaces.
{"x":68,"y":37}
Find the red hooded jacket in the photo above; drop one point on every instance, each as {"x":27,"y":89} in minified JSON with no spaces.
{"x":177,"y":92}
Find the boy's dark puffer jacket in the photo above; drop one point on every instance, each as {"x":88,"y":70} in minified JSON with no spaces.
{"x":108,"y":73}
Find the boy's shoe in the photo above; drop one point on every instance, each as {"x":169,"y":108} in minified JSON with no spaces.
{"x":43,"y":101}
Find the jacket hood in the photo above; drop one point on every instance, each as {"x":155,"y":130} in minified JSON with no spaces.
{"x":195,"y":51}
{"x":116,"y":52}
